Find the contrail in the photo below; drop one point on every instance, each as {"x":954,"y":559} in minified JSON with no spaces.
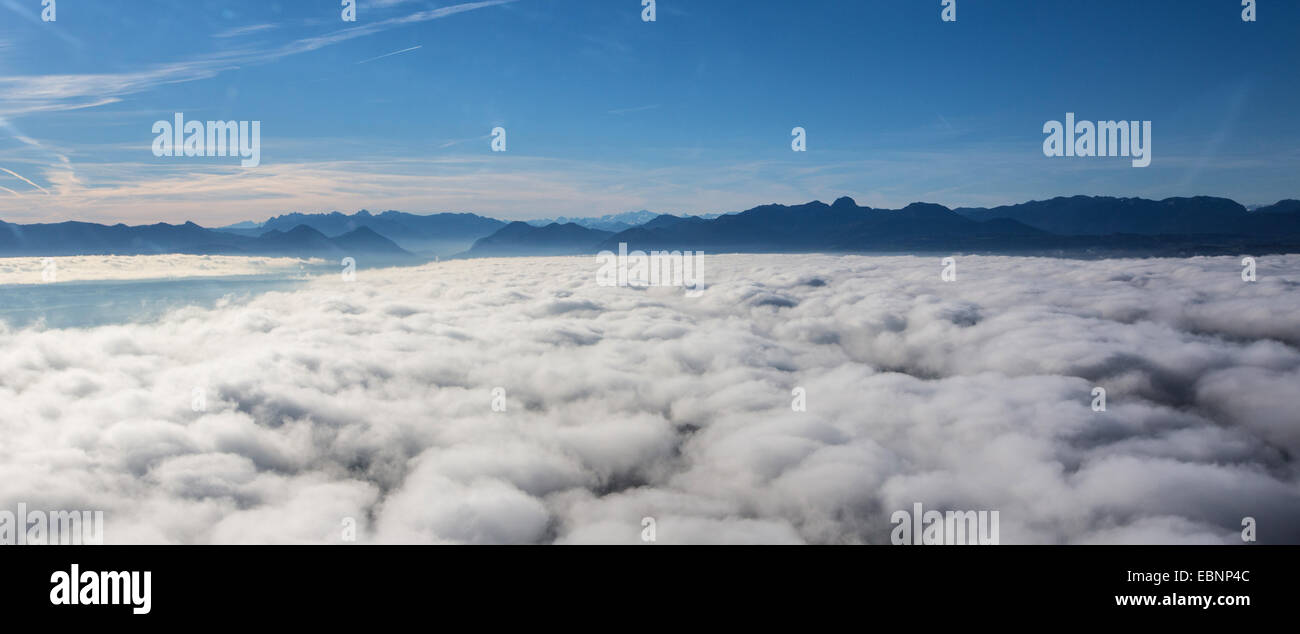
{"x":11,"y":191}
{"x":405,"y":50}
{"x":21,"y":178}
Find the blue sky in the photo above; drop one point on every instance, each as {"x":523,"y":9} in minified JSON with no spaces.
{"x":606,"y":113}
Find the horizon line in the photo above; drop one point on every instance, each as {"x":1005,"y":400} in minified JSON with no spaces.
{"x":1249,"y":208}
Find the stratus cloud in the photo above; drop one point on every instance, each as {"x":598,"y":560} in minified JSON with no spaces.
{"x":144,"y":267}
{"x":372,"y":400}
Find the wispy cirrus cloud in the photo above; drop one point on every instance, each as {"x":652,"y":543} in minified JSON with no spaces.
{"x":244,"y":30}
{"x":179,"y":192}
{"x":25,"y":94}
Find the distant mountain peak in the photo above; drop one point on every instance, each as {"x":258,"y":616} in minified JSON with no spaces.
{"x":926,"y":208}
{"x":608,"y":222}
{"x":844,"y":202}
{"x":304,"y":230}
{"x":522,"y":238}
{"x":1288,"y":206}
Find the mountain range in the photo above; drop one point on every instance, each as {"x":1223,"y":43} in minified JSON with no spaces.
{"x":1073,"y":226}
{"x":1099,"y":216}
{"x":425,"y":236}
{"x":613,"y":223}
{"x":84,"y":238}
{"x":521,"y":238}
{"x":610,"y":222}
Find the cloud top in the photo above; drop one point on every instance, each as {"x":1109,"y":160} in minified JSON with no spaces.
{"x":372,"y":400}
{"x":87,"y":268}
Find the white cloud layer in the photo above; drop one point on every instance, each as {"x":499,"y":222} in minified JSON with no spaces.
{"x":372,"y":400}
{"x":143,"y":267}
